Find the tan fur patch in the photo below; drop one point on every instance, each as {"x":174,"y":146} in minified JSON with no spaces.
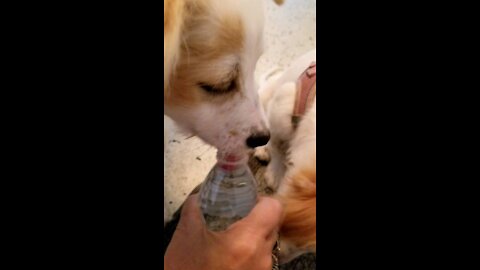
{"x":299,"y":225}
{"x":205,"y":39}
{"x":210,"y":36}
{"x":172,"y":26}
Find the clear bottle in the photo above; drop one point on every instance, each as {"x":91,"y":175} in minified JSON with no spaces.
{"x":229,"y":192}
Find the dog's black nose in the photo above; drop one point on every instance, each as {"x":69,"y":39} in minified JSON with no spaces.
{"x":258,"y":139}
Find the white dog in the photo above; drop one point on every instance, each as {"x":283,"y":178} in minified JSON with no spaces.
{"x":211,"y":48}
{"x":291,"y":153}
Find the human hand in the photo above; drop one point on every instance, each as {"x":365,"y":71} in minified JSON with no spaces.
{"x":246,"y":244}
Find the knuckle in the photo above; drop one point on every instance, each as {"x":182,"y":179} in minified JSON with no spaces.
{"x":243,"y":249}
{"x":274,"y":205}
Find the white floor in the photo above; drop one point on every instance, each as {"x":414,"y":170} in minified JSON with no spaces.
{"x":290,"y":31}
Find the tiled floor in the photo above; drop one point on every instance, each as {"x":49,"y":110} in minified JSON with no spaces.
{"x":290,"y":32}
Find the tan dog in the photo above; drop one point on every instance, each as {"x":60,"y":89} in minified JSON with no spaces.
{"x":211,"y":48}
{"x":292,"y":155}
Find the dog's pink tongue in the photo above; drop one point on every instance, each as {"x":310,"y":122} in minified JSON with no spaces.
{"x":232,"y":158}
{"x":230,"y":162}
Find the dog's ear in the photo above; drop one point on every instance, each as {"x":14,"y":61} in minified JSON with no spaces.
{"x":279,"y":2}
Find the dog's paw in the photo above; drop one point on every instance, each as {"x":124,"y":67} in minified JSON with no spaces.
{"x":262,"y":155}
{"x":270,"y":180}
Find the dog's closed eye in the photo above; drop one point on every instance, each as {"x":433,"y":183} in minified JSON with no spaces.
{"x":224,"y":85}
{"x":218,"y":89}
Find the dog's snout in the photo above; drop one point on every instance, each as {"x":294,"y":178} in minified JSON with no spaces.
{"x":258,"y":139}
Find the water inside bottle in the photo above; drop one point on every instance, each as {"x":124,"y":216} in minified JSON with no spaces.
{"x":227,"y":195}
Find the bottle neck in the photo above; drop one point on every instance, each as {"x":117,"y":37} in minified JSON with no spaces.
{"x":231,"y":162}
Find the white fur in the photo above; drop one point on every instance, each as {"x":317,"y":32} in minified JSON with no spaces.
{"x":278,"y":97}
{"x":289,"y":150}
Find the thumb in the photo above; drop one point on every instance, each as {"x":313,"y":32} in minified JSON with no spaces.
{"x":191,"y":215}
{"x":265,"y":217}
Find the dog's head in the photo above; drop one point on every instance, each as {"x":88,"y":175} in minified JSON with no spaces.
{"x":298,"y":230}
{"x":211,"y":92}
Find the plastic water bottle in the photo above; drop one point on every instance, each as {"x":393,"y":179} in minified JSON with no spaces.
{"x":229,"y":192}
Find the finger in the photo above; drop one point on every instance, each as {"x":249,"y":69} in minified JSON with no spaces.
{"x":271,"y":240}
{"x":265,"y":216}
{"x":191,"y":214}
